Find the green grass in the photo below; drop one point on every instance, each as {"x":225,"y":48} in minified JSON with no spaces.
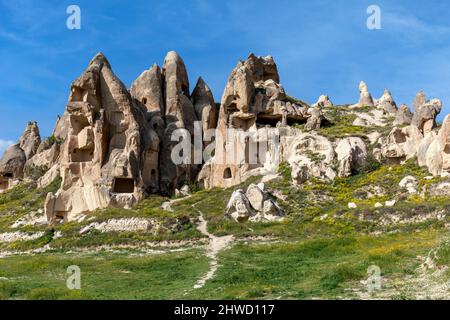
{"x":316,"y":268}
{"x":103,"y":275}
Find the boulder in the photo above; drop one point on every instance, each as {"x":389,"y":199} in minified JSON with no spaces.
{"x":11,"y":166}
{"x":315,"y":119}
{"x":409,"y":183}
{"x":323,"y":102}
{"x":255,"y":205}
{"x":419,"y":100}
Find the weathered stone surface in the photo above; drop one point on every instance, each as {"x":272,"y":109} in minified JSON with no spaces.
{"x":323,"y":102}
{"x":401,"y":144}
{"x":254,"y":105}
{"x":105,"y":150}
{"x":387,"y":103}
{"x":403,"y":116}
{"x":205,"y":108}
{"x":351,"y":154}
{"x":419,"y":100}
{"x":11,"y":166}
{"x":30,"y":140}
{"x":315,"y":119}
{"x":256,"y":205}
{"x":365,"y":98}
{"x":425,"y":115}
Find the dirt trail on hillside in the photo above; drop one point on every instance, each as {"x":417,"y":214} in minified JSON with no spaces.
{"x":216,"y":244}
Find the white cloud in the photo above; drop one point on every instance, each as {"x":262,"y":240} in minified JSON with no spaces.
{"x":4,"y":144}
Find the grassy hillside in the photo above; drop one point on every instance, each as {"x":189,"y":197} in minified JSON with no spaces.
{"x":321,"y":250}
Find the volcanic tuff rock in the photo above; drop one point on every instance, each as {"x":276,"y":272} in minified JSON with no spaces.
{"x":113,"y":147}
{"x":403,"y":116}
{"x":111,"y":155}
{"x":30,"y":140}
{"x":365,"y":98}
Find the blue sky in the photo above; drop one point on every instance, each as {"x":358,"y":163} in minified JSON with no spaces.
{"x":321,"y":47}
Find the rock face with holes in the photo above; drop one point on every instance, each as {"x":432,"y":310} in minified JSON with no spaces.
{"x":109,"y":152}
{"x":254,"y":106}
{"x":117,"y":144}
{"x":11,"y":166}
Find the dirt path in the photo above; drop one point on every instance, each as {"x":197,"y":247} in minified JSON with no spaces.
{"x":216,"y":244}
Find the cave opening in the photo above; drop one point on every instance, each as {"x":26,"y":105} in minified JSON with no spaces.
{"x":123,"y":185}
{"x":227,"y":174}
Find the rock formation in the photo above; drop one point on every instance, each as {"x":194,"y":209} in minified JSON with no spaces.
{"x":11,"y":166}
{"x":253,"y":105}
{"x":30,"y":140}
{"x":323,"y":102}
{"x":113,"y":146}
{"x":365,"y":98}
{"x":425,"y":115}
{"x":387,"y":103}
{"x":403,"y":116}
{"x":255,"y":205}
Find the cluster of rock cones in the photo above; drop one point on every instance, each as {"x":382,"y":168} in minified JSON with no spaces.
{"x":113,"y":146}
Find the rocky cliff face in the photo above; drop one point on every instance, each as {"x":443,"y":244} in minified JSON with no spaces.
{"x":114,"y":147}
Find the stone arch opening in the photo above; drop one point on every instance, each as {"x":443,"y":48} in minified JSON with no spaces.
{"x":144,"y":101}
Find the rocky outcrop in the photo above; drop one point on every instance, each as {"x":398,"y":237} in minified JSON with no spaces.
{"x":11,"y":166}
{"x":205,"y":108}
{"x":315,"y":119}
{"x":323,"y":102}
{"x":255,"y":205}
{"x":387,"y":103}
{"x":418,"y":101}
{"x":110,"y":154}
{"x":365,"y":98}
{"x":30,"y":140}
{"x":351,"y":155}
{"x":435,"y":152}
{"x":254,"y":105}
{"x":425,"y":115}
{"x":401,"y":144}
{"x":403,"y":116}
